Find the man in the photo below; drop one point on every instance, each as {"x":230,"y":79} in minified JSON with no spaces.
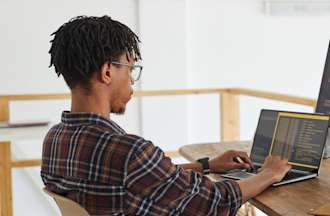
{"x":88,"y":158}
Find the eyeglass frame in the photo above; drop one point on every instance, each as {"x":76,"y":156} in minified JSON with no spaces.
{"x":133,"y":67}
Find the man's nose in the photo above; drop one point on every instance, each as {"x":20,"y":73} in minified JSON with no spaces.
{"x":132,"y":80}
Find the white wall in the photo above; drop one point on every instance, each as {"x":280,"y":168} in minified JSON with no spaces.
{"x":232,"y":43}
{"x":163,"y":34}
{"x":201,"y":44}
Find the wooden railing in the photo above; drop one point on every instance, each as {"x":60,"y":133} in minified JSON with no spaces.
{"x":229,"y":125}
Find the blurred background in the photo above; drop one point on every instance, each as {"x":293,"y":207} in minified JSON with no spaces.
{"x":270,"y":45}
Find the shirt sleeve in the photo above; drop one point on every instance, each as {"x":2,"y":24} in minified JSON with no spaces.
{"x":156,"y":186}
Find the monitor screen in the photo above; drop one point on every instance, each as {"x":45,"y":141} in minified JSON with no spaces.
{"x":323,"y":101}
{"x":300,"y":138}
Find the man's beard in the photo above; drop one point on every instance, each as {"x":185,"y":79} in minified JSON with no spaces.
{"x":120,"y":111}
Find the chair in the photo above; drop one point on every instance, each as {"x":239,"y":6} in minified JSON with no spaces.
{"x":67,"y":206}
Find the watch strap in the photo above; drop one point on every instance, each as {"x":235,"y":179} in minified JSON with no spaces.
{"x":205,"y":164}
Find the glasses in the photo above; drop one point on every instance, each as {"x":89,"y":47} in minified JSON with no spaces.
{"x":135,"y":70}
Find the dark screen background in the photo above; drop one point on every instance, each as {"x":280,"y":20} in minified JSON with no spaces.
{"x":323,"y":101}
{"x":264,"y":135}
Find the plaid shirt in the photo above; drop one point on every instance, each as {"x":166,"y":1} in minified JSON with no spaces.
{"x":94,"y":162}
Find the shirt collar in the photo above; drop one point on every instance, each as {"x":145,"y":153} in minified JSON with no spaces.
{"x":88,"y":118}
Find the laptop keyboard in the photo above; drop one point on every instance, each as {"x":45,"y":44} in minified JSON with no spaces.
{"x":241,"y":174}
{"x":288,"y":176}
{"x":254,"y":170}
{"x":293,"y":175}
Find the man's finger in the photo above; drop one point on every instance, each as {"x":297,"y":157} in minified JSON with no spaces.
{"x":245,"y":158}
{"x":240,"y":166}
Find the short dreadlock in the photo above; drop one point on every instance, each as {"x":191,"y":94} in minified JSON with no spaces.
{"x":81,"y":46}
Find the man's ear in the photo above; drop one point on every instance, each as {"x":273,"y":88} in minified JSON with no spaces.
{"x":106,"y":74}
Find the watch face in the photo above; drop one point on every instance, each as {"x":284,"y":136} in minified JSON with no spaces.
{"x":205,"y":164}
{"x":206,"y":159}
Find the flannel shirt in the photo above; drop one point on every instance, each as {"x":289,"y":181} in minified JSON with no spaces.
{"x":94,"y":162}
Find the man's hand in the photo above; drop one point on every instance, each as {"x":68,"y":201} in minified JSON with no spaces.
{"x":273,"y":170}
{"x":277,"y":166}
{"x":228,"y":161}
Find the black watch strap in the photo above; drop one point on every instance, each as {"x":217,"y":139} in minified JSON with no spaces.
{"x":205,"y":164}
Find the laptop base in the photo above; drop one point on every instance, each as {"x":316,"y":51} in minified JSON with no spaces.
{"x":289,"y":178}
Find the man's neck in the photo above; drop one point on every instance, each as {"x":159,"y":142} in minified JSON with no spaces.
{"x":96,"y":103}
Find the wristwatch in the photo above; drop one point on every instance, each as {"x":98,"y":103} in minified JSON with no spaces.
{"x":205,"y":164}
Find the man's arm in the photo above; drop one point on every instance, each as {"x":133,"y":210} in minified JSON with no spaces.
{"x":273,"y":170}
{"x":153,"y":184}
{"x":254,"y":185}
{"x":222,"y":163}
{"x":195,"y":166}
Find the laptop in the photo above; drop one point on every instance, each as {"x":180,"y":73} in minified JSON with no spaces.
{"x":299,"y":137}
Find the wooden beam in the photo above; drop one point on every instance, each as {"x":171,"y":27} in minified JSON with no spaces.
{"x":5,"y":180}
{"x":4,"y":109}
{"x":274,"y":96}
{"x":136,"y":94}
{"x":237,"y":91}
{"x":229,"y":117}
{"x":25,"y":163}
{"x":178,"y":92}
{"x":36,"y":97}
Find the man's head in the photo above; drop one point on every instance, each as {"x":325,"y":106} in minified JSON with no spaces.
{"x":96,"y":53}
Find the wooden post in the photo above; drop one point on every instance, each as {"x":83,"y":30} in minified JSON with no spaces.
{"x":229,"y":114}
{"x":5,"y":165}
{"x":4,"y":109}
{"x":5,"y":180}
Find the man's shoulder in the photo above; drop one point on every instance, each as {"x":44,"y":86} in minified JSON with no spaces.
{"x":98,"y":133}
{"x":135,"y":141}
{"x":135,"y":144}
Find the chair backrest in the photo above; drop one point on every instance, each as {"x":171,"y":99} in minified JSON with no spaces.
{"x":67,"y":206}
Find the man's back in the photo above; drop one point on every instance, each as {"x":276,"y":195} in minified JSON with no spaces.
{"x":92,"y":161}
{"x":84,"y":159}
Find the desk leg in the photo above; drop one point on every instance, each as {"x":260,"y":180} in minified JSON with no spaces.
{"x":5,"y":180}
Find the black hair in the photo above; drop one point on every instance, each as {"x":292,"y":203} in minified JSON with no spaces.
{"x":81,"y":46}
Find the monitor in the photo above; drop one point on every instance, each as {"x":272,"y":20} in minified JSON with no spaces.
{"x":323,"y":101}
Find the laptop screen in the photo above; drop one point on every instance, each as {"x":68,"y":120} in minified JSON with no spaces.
{"x":300,"y":138}
{"x":307,"y":138}
{"x":263,"y":136}
{"x":323,"y":101}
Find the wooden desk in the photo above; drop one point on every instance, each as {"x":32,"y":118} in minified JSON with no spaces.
{"x":295,"y":199}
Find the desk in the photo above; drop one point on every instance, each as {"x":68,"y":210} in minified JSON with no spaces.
{"x":295,"y":199}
